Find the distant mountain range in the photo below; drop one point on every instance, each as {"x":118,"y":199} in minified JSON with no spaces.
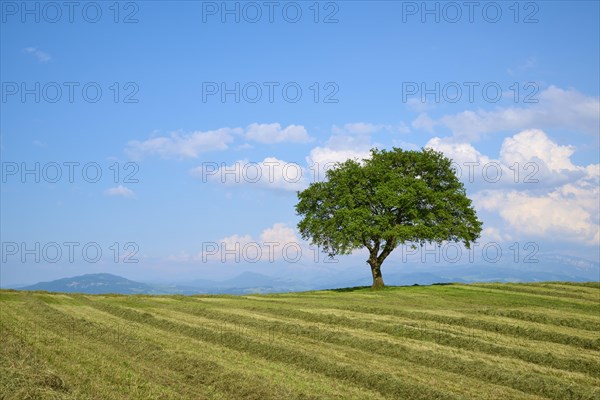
{"x":93,"y":284}
{"x":551,"y":267}
{"x":102,"y":283}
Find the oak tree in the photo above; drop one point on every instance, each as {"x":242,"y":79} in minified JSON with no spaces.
{"x":391,"y":198}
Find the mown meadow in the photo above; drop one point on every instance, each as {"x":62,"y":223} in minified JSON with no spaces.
{"x":457,"y":341}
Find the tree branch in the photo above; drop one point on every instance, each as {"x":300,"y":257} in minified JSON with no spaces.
{"x":377,"y":243}
{"x":390,"y":245}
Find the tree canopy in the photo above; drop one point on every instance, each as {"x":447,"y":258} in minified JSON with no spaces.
{"x":392,"y":197}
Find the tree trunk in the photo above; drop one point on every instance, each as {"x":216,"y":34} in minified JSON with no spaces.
{"x":376,"y":271}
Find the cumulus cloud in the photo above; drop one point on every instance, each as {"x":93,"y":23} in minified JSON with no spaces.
{"x":182,"y":145}
{"x":273,"y":133}
{"x":353,"y":141}
{"x":40,"y":55}
{"x":279,"y":233}
{"x":527,"y":157}
{"x":534,"y":144}
{"x":276,"y":243}
{"x":560,"y":199}
{"x":424,"y":122}
{"x":120,"y":191}
{"x":271,"y":173}
{"x":569,"y":212}
{"x":458,"y":151}
{"x":339,"y":148}
{"x":274,"y":173}
{"x":232,"y":241}
{"x":556,"y":108}
{"x":328,"y":155}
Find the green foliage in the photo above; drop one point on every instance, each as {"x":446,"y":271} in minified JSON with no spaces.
{"x":391,"y":198}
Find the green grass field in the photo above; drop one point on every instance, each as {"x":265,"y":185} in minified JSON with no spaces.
{"x":477,"y":341}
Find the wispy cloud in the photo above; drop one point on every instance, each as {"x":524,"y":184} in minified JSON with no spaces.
{"x":273,"y":133}
{"x":530,"y":63}
{"x":557,"y":108}
{"x":190,"y":145}
{"x":120,"y":191}
{"x":182,"y":145}
{"x":41,"y":56}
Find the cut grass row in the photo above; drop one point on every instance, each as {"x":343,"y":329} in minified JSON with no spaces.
{"x":441,"y":342}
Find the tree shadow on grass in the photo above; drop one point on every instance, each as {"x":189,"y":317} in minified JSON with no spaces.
{"x":357,"y":288}
{"x":349,"y":289}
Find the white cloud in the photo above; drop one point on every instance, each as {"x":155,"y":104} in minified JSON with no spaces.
{"x":405,"y":145}
{"x":274,"y":243}
{"x":191,"y":145}
{"x":561,"y":202}
{"x":271,"y":173}
{"x":341,"y":148}
{"x":277,"y":174}
{"x":245,"y":146}
{"x":534,"y":144}
{"x":180,"y":145}
{"x":491,"y":234}
{"x":279,"y":233}
{"x":415,"y":104}
{"x":327,"y":155}
{"x":556,"y":108}
{"x":540,"y":160}
{"x":424,"y":122}
{"x":120,"y":190}
{"x":230,"y":242}
{"x":569,"y":212}
{"x":272,"y":133}
{"x":338,"y":148}
{"x":530,"y":63}
{"x":458,"y":151}
{"x":37,"y":53}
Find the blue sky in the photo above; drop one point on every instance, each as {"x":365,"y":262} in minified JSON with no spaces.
{"x":158,"y":119}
